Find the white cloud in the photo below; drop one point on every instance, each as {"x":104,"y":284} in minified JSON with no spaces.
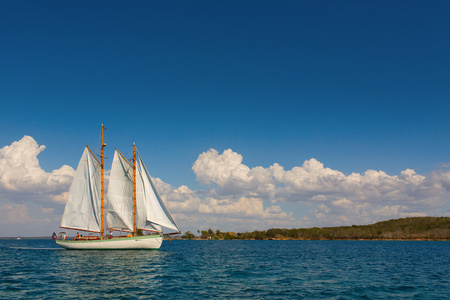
{"x":204,"y":209}
{"x":339,"y":198}
{"x":28,"y":194}
{"x":231,"y":176}
{"x":242,"y":207}
{"x":20,"y":170}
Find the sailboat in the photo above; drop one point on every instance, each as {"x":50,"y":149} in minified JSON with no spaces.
{"x":133,"y":207}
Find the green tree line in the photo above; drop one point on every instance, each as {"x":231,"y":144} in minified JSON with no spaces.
{"x":415,"y":228}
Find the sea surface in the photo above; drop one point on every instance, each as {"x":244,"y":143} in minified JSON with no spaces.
{"x":39,"y":269}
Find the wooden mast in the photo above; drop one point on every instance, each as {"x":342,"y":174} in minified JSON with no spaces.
{"x":103,"y":189}
{"x":134,"y":188}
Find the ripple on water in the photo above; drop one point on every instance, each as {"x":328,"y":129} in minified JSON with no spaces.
{"x":228,"y":270}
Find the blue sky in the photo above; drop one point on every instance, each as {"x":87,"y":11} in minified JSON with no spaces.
{"x":355,"y":85}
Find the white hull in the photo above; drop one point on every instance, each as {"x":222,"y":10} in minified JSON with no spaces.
{"x":150,"y":242}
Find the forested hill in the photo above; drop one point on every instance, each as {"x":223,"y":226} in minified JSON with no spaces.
{"x":416,"y":228}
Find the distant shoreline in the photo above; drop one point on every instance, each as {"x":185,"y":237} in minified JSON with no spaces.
{"x":200,"y":239}
{"x":404,"y":229}
{"x":393,"y":240}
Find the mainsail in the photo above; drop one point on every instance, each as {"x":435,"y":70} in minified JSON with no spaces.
{"x":83,"y":208}
{"x":120,"y":195}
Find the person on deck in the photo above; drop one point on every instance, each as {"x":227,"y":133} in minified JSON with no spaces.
{"x":78,"y":237}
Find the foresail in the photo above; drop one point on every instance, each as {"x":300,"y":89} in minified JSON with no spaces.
{"x":120,"y":195}
{"x":83,"y":208}
{"x":141,"y":211}
{"x":156,"y":211}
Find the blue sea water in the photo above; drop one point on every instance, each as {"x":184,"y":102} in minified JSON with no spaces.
{"x":39,"y":269}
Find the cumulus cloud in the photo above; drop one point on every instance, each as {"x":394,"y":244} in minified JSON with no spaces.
{"x":20,"y":170}
{"x":228,"y":173}
{"x":201,"y":209}
{"x":338,"y":199}
{"x":28,"y":194}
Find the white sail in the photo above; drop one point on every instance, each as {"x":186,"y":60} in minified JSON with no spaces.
{"x":83,"y":209}
{"x":120,"y":195}
{"x":156,"y":211}
{"x":141,"y":212}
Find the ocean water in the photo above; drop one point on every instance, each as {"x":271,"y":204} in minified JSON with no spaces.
{"x":39,"y":269}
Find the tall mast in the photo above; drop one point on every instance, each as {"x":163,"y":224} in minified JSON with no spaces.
{"x":134,"y":188}
{"x":103,"y":189}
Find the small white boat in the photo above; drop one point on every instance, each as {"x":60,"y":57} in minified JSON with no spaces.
{"x":133,"y":205}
